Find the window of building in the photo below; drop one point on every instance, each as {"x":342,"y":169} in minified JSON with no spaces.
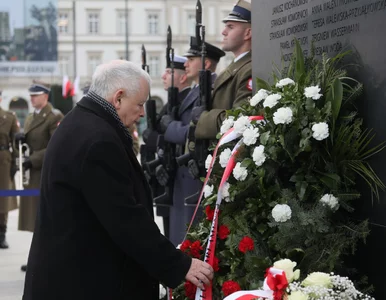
{"x":153,"y":23}
{"x":93,"y":22}
{"x":94,"y":59}
{"x":64,"y":64}
{"x":63,"y":20}
{"x":154,"y":66}
{"x":191,"y":23}
{"x":121,"y":22}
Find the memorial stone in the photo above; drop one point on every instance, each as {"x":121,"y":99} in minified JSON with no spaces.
{"x":334,"y":26}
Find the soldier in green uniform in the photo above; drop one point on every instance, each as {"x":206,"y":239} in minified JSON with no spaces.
{"x":9,"y":126}
{"x":234,"y":85}
{"x":39,"y":126}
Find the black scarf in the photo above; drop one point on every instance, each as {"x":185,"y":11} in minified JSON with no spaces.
{"x":107,"y":106}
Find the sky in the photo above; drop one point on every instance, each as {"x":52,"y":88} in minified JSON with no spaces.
{"x":17,"y":12}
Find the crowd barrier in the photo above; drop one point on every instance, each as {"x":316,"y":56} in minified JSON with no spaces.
{"x":27,"y":192}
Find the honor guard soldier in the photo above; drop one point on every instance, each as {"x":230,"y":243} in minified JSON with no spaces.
{"x":177,"y":132}
{"x":183,"y":84}
{"x":234,"y":85}
{"x":9,"y":126}
{"x":39,"y":127}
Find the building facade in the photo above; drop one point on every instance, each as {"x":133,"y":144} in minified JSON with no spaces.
{"x":94,"y":31}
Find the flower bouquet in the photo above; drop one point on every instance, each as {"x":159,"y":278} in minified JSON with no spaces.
{"x":281,"y":283}
{"x":283,"y":178}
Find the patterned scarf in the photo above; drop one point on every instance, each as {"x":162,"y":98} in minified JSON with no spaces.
{"x":107,"y":106}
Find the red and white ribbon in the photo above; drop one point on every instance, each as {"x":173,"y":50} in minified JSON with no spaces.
{"x":274,"y":284}
{"x":229,"y":136}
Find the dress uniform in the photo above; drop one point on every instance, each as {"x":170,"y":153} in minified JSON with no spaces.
{"x":234,"y":85}
{"x":39,"y":126}
{"x":177,"y":132}
{"x":9,"y":126}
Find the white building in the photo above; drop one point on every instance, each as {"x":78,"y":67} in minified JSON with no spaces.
{"x":100,"y":36}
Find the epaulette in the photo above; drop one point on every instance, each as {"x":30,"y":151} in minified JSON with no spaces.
{"x":56,"y":112}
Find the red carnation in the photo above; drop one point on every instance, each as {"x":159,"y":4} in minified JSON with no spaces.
{"x":209,"y":213}
{"x":195,"y":249}
{"x":229,"y":287}
{"x":190,"y":290}
{"x":223,"y":232}
{"x":215,"y":264}
{"x":185,"y":245}
{"x":246,"y":244}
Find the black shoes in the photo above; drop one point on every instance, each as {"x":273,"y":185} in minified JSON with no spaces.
{"x":3,"y":242}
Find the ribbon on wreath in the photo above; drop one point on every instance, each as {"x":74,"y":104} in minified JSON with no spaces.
{"x":229,"y":136}
{"x":275,"y":283}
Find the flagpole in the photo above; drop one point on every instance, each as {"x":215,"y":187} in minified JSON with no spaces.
{"x":74,"y":37}
{"x":127,"y":29}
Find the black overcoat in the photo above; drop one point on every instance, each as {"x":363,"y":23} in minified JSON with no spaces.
{"x":95,"y":237}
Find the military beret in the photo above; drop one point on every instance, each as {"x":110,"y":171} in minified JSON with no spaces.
{"x":241,"y":12}
{"x":38,"y":89}
{"x":178,"y":62}
{"x":211,"y":51}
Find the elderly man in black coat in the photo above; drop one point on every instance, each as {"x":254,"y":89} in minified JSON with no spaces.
{"x":95,"y":237}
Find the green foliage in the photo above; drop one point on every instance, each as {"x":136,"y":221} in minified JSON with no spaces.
{"x":316,"y":151}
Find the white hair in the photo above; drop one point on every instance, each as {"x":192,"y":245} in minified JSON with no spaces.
{"x":115,"y":75}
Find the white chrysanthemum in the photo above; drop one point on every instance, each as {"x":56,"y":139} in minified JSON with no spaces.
{"x":241,"y":124}
{"x":284,"y":82}
{"x":271,"y":100}
{"x":331,"y":201}
{"x":224,"y":157}
{"x":281,"y":213}
{"x":207,"y":161}
{"x":225,"y":192}
{"x":258,"y":155}
{"x":312,"y":92}
{"x":208,"y":190}
{"x":320,"y":131}
{"x":239,"y":172}
{"x":227,"y":124}
{"x":259,"y":96}
{"x":283,"y":116}
{"x":250,"y":136}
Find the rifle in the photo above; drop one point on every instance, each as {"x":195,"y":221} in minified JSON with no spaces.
{"x":165,"y":165}
{"x":198,"y":149}
{"x":148,"y":150}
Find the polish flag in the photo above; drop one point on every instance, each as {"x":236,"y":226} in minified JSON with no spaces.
{"x":66,"y":87}
{"x":75,"y":86}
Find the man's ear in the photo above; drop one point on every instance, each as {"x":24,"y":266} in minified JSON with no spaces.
{"x":183,"y":78}
{"x":208,"y":64}
{"x":116,"y":99}
{"x":248,"y":33}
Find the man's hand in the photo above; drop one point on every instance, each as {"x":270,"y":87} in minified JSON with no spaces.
{"x":196,"y":113}
{"x":164,"y":123}
{"x":19,"y":137}
{"x":200,"y":273}
{"x":27,"y":164}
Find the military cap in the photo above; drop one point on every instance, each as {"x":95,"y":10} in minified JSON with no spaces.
{"x":241,"y":12}
{"x":38,"y":89}
{"x":178,"y":62}
{"x":212,"y":52}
